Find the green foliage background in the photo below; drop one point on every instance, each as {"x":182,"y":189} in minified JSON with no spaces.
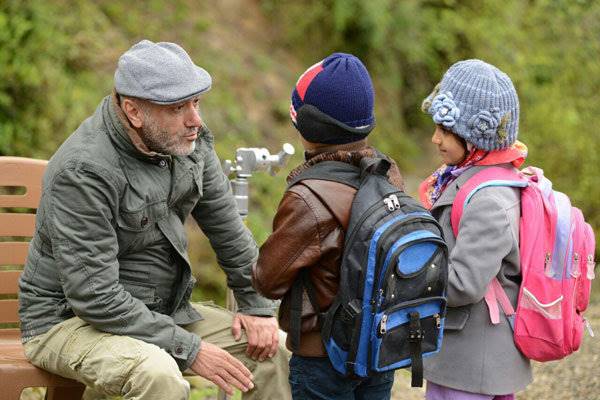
{"x":57,"y":58}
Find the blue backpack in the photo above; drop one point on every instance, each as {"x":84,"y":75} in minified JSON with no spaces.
{"x":390,"y":309}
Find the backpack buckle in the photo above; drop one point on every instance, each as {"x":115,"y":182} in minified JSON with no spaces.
{"x":415,"y":333}
{"x":351,"y":310}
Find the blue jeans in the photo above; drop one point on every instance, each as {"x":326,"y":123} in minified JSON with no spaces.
{"x":313,"y":378}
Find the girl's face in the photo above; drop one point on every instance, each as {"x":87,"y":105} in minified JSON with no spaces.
{"x":451,"y":147}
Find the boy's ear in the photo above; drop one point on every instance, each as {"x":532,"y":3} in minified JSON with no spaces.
{"x":133,"y":111}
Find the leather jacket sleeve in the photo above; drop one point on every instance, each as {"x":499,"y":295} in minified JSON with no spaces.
{"x":293,"y":245}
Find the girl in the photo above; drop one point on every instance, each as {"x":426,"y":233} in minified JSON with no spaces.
{"x":476,"y":111}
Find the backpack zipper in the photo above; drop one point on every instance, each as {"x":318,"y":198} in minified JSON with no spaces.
{"x":436,"y":317}
{"x":382,"y":327}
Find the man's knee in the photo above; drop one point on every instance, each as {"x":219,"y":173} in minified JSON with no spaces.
{"x":156,"y":375}
{"x":271,"y":376}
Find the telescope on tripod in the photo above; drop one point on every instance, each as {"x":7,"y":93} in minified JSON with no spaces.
{"x":248,"y":161}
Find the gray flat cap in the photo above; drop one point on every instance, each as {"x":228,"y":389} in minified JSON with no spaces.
{"x":162,"y":73}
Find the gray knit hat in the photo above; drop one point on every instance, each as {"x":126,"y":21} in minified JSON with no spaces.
{"x":161,"y":73}
{"x":478,"y":102}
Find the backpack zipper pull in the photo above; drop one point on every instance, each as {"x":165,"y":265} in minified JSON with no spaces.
{"x":395,"y":201}
{"x":548,"y":265}
{"x":589,"y":327}
{"x":388,"y":202}
{"x":590,"y":267}
{"x":438,"y":321}
{"x":575,"y":273}
{"x":380,"y":299}
{"x":382,"y":328}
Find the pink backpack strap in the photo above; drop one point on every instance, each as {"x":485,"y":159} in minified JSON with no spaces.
{"x":493,"y":176}
{"x":495,"y":295}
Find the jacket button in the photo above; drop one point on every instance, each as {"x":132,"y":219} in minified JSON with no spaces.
{"x":144,"y":221}
{"x":178,"y":350}
{"x":162,"y":163}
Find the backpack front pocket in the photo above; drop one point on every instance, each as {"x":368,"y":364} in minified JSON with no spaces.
{"x":413,"y":268}
{"x":407,"y":331}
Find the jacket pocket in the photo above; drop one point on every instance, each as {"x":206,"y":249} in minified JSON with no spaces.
{"x":456,"y":318}
{"x":138,"y":228}
{"x":145,"y":292}
{"x":135,"y":221}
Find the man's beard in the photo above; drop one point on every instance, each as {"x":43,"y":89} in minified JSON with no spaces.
{"x":161,"y":141}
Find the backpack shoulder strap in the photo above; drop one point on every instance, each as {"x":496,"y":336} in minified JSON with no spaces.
{"x":335,"y":171}
{"x":336,"y":197}
{"x":301,"y":284}
{"x":374,"y":165}
{"x":495,"y":295}
{"x":494,"y":176}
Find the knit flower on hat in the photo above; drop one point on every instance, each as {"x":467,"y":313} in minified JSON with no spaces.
{"x":484,"y":124}
{"x":444,"y":110}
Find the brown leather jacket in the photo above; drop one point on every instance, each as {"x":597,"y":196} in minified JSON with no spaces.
{"x":308,"y":232}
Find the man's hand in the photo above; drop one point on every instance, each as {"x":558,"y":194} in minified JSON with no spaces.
{"x":262,"y":333}
{"x":221,"y":368}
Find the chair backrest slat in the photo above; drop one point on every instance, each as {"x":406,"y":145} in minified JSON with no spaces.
{"x":9,"y":311}
{"x":22,"y":172}
{"x":13,"y":253}
{"x":9,"y":282}
{"x":22,"y":225}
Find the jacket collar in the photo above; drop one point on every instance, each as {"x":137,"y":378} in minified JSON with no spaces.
{"x":353,"y":146}
{"x":125,"y":137}
{"x":451,"y":191}
{"x":348,"y":155}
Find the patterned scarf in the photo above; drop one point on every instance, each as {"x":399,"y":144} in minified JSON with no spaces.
{"x":432,"y":188}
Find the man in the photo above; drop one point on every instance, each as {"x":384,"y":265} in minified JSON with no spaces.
{"x":104,"y":296}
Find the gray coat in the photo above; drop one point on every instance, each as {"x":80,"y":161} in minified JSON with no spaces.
{"x":110,"y":244}
{"x":477,"y":356}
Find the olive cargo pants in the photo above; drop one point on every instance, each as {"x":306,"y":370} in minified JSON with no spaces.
{"x":112,"y":365}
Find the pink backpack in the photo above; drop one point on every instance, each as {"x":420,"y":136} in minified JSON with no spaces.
{"x":557,"y":264}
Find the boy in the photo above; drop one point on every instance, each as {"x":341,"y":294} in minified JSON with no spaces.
{"x":332,"y":108}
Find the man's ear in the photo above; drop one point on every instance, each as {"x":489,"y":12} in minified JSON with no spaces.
{"x":134,"y":112}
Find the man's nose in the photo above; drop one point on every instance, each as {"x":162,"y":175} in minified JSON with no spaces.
{"x":193,"y":117}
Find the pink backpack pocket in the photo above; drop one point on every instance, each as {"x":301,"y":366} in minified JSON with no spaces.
{"x":557,"y":264}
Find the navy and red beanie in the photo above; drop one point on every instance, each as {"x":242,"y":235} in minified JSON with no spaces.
{"x":332,"y":101}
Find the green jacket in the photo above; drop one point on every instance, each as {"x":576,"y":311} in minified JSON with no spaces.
{"x":110,"y":245}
